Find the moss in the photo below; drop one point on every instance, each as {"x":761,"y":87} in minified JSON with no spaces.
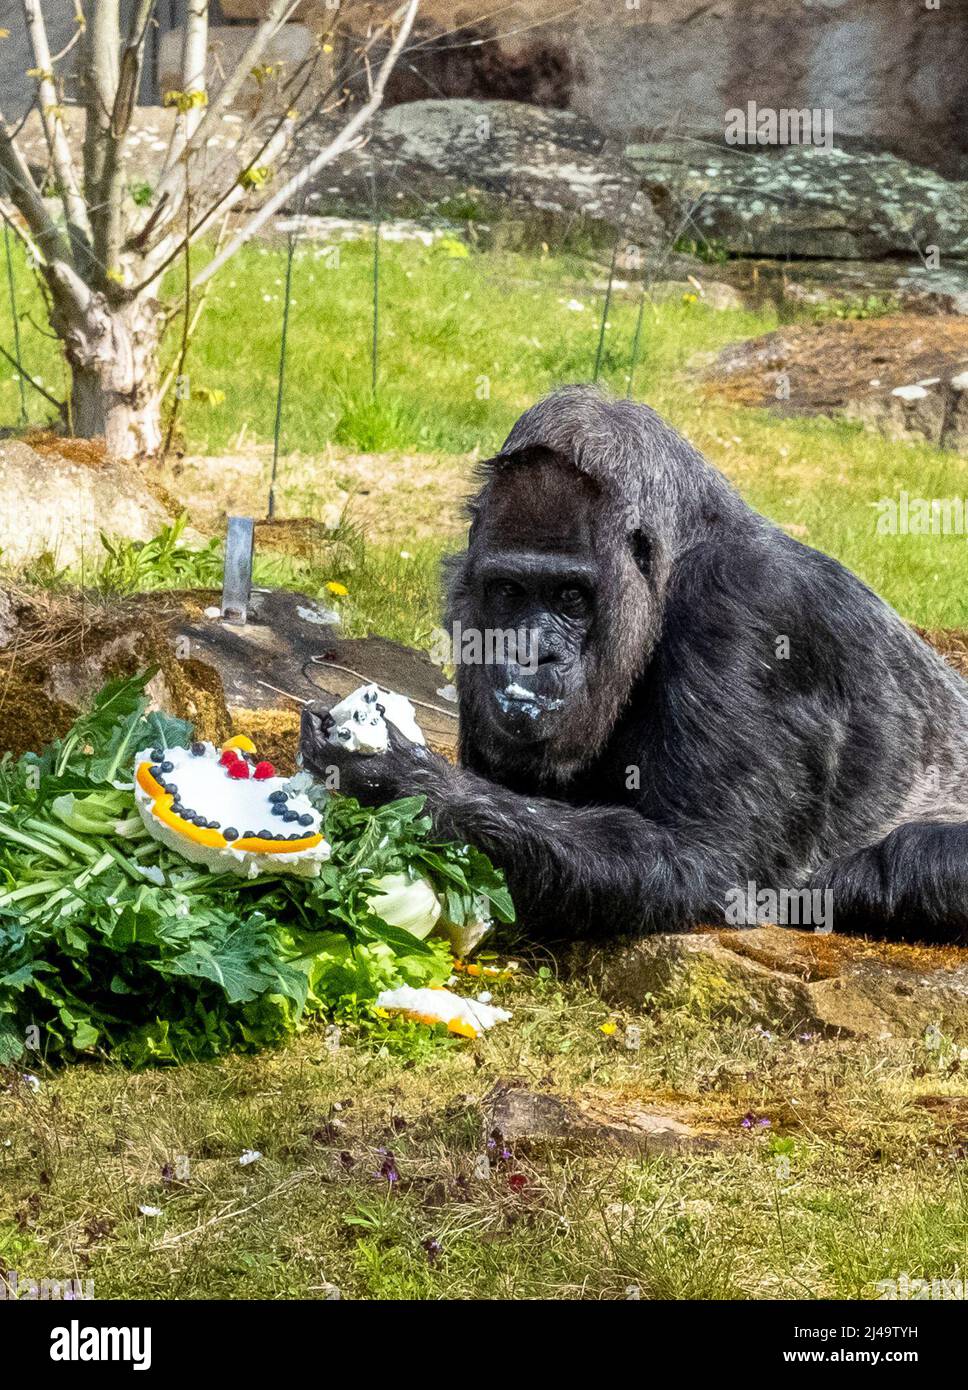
{"x":274,"y":732}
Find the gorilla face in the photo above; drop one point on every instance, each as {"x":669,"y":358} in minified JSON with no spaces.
{"x":532,"y":582}
{"x":540,"y":608}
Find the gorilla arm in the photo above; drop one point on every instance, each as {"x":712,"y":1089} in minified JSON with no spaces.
{"x":571,"y":870}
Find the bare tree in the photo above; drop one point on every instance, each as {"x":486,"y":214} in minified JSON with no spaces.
{"x":100,"y":252}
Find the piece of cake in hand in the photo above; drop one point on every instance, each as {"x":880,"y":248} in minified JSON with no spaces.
{"x":360,"y":721}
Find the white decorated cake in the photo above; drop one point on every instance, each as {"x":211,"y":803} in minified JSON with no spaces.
{"x":227,"y":809}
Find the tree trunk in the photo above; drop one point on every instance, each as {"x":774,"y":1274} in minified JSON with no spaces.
{"x":113,"y":356}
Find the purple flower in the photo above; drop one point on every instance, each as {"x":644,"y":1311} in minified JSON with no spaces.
{"x":388,"y":1168}
{"x":750,"y":1121}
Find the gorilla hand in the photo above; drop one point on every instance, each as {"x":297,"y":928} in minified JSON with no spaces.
{"x":372,"y":778}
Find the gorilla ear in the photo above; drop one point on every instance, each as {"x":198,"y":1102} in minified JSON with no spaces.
{"x":640,"y":544}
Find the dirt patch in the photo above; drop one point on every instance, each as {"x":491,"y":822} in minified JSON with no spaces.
{"x":951,"y":642}
{"x":829,"y":365}
{"x":89,"y":452}
{"x":275,"y":732}
{"x":394,"y":498}
{"x":819,"y":956}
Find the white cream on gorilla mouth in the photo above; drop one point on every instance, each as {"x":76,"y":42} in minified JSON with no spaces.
{"x":515,"y":697}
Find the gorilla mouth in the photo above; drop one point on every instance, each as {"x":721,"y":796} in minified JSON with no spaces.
{"x":517,"y":702}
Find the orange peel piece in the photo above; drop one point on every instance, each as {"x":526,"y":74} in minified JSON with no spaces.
{"x":161,"y":807}
{"x":241,"y":742}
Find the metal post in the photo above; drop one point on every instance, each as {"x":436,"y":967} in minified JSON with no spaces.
{"x":237,"y":571}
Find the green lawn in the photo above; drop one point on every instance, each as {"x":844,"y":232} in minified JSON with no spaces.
{"x":855,"y":1178}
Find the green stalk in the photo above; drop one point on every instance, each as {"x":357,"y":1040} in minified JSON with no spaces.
{"x":7,"y":832}
{"x":45,"y":907}
{"x":133,"y":723}
{"x":122,"y":862}
{"x":29,"y":890}
{"x":93,"y":870}
{"x":65,"y":755}
{"x":63,"y":836}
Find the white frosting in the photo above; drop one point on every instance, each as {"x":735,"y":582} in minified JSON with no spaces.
{"x":443,"y":1005}
{"x":359,"y":726}
{"x":205,"y":787}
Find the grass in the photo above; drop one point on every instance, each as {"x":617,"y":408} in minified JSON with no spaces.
{"x":854,"y":1180}
{"x":467,"y":342}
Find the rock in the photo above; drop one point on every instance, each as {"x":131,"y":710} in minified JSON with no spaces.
{"x":713,"y":293}
{"x":538,"y":172}
{"x":56,"y":499}
{"x":513,"y":1113}
{"x":788,"y":980}
{"x":808,"y":201}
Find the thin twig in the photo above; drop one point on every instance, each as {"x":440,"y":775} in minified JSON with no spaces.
{"x":29,"y":379}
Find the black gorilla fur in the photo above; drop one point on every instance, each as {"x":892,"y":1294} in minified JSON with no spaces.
{"x":670,"y":747}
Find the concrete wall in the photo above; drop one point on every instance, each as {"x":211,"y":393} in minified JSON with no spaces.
{"x":894,"y":72}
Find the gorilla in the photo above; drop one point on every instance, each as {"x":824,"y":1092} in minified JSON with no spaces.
{"x":708,"y":706}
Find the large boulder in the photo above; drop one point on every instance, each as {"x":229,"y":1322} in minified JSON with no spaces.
{"x":808,"y":201}
{"x":547,"y":171}
{"x":57,"y":498}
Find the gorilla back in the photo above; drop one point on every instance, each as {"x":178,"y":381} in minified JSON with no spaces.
{"x":694,"y":703}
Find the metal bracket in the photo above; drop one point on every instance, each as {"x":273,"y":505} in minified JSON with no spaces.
{"x":237,"y":571}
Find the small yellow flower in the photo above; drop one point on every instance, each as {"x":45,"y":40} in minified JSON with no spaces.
{"x":690,"y":298}
{"x":609,"y":1028}
{"x":336,"y":588}
{"x":380,"y":1013}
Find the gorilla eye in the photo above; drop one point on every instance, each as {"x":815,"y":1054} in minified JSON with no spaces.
{"x":506,"y":589}
{"x":572,"y":597}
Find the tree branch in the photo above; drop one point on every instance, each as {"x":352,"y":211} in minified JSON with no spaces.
{"x":325,"y":156}
{"x":57,"y":143}
{"x":102,"y":66}
{"x":193,"y":80}
{"x":174,"y":181}
{"x":108,"y":226}
{"x":26,"y":198}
